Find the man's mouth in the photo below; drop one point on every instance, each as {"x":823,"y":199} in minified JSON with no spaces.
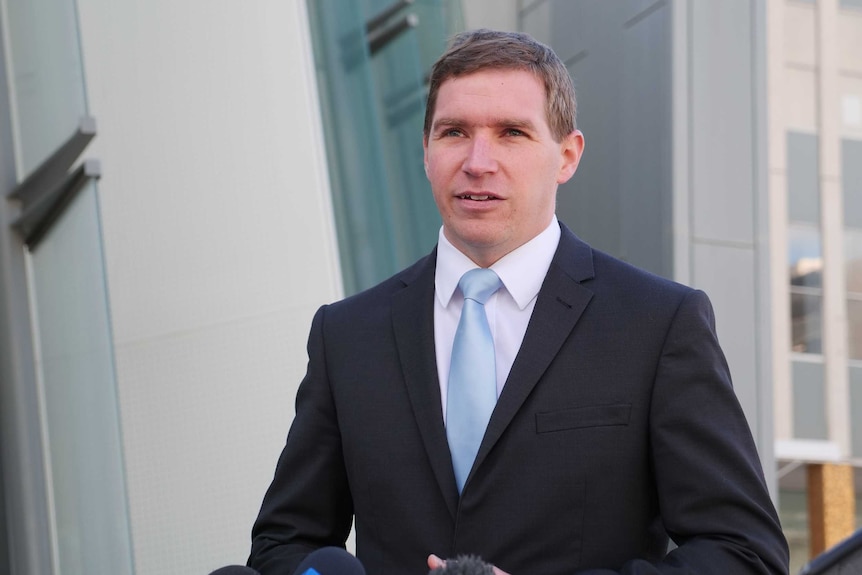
{"x":477,"y":197}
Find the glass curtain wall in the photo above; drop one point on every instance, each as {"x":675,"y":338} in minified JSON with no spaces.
{"x":372,"y":80}
{"x":805,"y":266}
{"x":81,"y":441}
{"x":852,"y":196}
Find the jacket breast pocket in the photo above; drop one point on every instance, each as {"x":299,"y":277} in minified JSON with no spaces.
{"x":581,"y":417}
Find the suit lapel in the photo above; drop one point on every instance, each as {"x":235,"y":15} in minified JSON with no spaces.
{"x":559,"y":305}
{"x":413,"y":324}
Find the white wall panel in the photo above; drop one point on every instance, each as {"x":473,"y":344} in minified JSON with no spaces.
{"x":219,"y":245}
{"x":850,"y":88}
{"x":799,"y":100}
{"x":800,"y":49}
{"x":850,"y":41}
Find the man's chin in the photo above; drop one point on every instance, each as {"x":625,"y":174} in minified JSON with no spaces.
{"x":483,"y":249}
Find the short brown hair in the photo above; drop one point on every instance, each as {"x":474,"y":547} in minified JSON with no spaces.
{"x":484,"y":49}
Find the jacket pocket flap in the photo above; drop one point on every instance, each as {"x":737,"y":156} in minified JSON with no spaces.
{"x":579,"y":417}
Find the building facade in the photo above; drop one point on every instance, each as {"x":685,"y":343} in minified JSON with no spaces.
{"x":186,"y":182}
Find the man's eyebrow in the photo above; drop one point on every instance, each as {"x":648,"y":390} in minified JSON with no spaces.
{"x":514,"y":123}
{"x":448,"y":122}
{"x":495,"y":122}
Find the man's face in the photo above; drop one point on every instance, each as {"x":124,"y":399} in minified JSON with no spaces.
{"x":492,"y":161}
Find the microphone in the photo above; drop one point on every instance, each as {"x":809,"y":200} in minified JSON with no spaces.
{"x":330,"y":561}
{"x":235,"y":570}
{"x":464,"y":565}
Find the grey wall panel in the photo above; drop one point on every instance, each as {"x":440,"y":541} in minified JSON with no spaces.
{"x":619,"y":56}
{"x":536,"y":20}
{"x":809,"y":401}
{"x":856,"y":407}
{"x":851,"y":175}
{"x":803,"y":178}
{"x":585,"y":37}
{"x":645,"y":142}
{"x":722,"y":120}
{"x":727,"y":275}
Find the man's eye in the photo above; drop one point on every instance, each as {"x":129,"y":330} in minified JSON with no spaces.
{"x":514,"y":132}
{"x":452,"y":133}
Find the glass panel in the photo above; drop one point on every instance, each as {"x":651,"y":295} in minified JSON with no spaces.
{"x":793,"y":512}
{"x":399,"y":71}
{"x":809,"y":402}
{"x":807,"y":322}
{"x":803,"y":196}
{"x":854,"y":329}
{"x":851,"y":152}
{"x":373,"y":109}
{"x":856,"y":408}
{"x":851,"y":182}
{"x":80,"y":398}
{"x":46,"y":76}
{"x":805,"y":257}
{"x":74,"y":357}
{"x":357,"y":173}
{"x":853,"y":255}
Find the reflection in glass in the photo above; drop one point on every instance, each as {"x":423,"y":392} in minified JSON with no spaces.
{"x":807,"y":321}
{"x":373,"y":107}
{"x":805,"y":264}
{"x":853,"y":255}
{"x":805,"y":257}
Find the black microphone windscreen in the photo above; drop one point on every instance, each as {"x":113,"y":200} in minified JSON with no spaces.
{"x":330,"y":561}
{"x":464,"y":565}
{"x":235,"y":570}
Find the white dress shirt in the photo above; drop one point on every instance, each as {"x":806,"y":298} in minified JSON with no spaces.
{"x":522,"y":272}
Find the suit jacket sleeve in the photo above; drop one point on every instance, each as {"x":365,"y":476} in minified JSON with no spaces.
{"x":712,"y":496}
{"x":308,"y":505}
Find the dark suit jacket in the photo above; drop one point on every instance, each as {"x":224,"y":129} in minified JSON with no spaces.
{"x":617,"y":428}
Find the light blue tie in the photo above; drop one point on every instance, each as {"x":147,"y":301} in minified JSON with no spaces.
{"x":472,"y":375}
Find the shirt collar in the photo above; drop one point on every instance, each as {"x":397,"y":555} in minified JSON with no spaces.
{"x":522,"y":270}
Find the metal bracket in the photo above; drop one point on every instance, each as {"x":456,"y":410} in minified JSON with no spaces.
{"x":49,"y":189}
{"x":379,"y":35}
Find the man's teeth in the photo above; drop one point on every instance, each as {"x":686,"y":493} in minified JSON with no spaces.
{"x":475,"y":197}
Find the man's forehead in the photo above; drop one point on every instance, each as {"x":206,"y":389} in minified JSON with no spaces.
{"x":475,"y":97}
{"x":484,"y":82}
{"x":492,"y":71}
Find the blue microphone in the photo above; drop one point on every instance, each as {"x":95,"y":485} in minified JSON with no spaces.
{"x":235,"y":570}
{"x":330,"y":561}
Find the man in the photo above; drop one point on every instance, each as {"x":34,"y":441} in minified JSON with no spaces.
{"x":613,"y":425}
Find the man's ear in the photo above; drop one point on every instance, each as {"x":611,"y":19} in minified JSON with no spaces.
{"x":571,"y":150}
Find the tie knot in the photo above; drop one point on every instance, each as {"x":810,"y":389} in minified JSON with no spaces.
{"x":479,"y":284}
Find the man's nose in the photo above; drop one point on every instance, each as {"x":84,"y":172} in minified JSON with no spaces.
{"x":480,"y":157}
